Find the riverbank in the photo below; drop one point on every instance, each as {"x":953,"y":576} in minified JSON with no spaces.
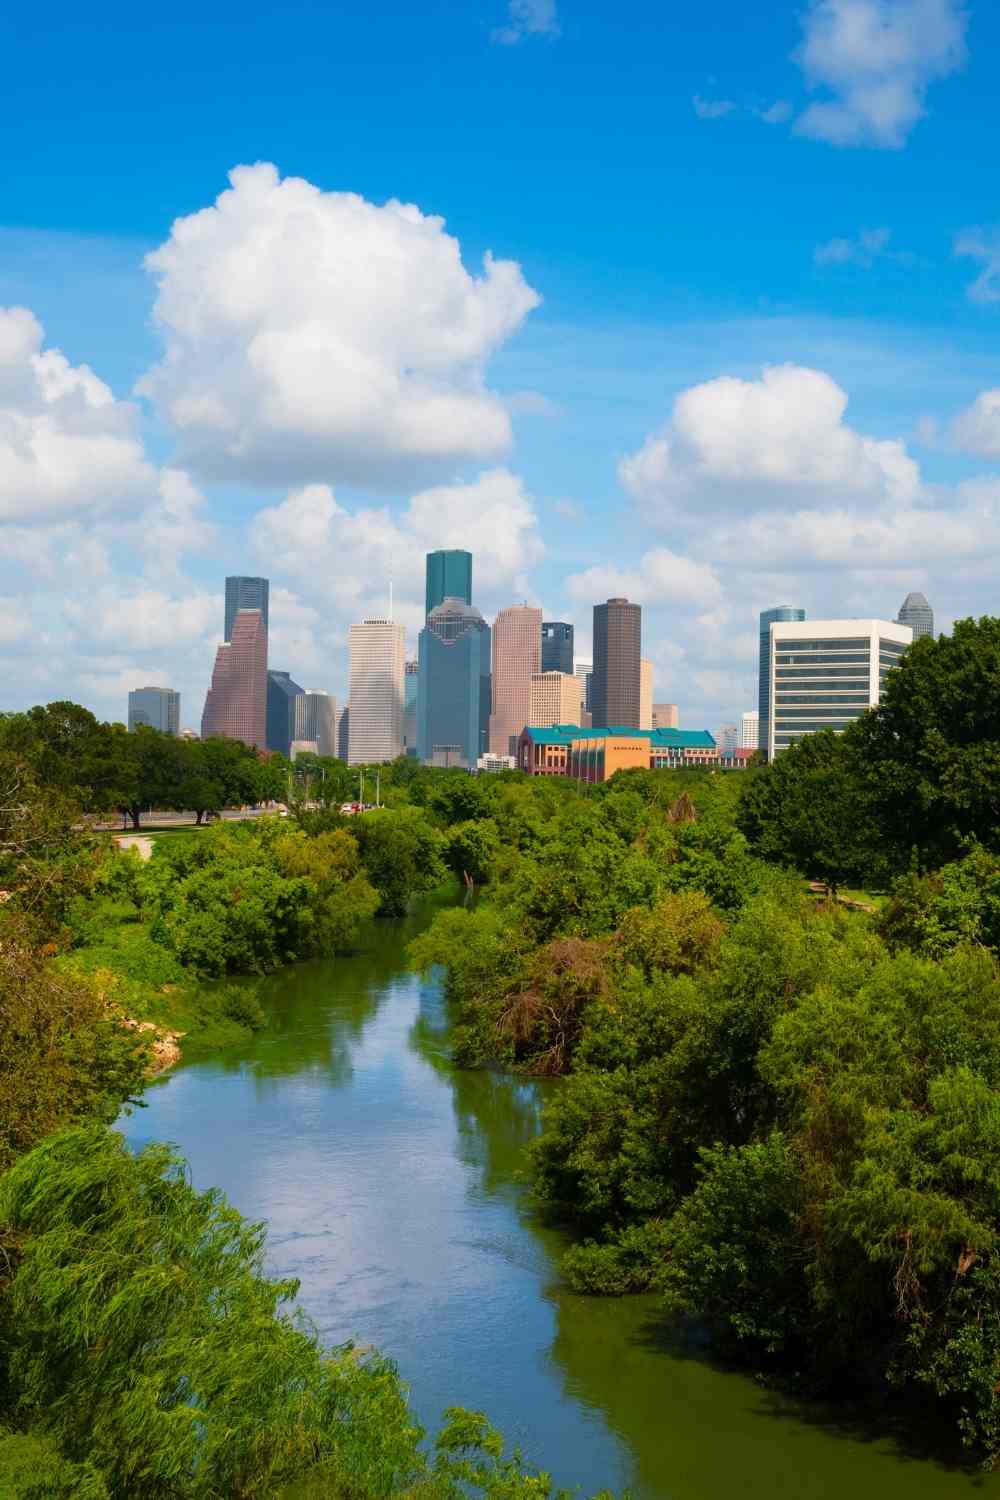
{"x":392,"y":1183}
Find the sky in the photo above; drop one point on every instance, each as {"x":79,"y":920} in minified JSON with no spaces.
{"x":690,"y":304}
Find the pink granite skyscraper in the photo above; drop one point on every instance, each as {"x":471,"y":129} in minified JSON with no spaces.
{"x":517,"y":655}
{"x":236,"y":703}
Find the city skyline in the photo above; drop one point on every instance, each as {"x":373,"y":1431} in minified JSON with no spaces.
{"x":645,"y":393}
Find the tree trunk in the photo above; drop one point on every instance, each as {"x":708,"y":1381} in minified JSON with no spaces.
{"x":135,"y":813}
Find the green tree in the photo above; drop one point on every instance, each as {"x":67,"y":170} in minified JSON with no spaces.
{"x":402,"y":854}
{"x":930,"y":753}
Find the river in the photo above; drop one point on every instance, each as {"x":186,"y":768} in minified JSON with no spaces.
{"x":390,"y":1181}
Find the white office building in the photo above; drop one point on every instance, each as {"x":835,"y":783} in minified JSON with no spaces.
{"x":825,"y":673}
{"x":749,"y":729}
{"x":377,"y":650}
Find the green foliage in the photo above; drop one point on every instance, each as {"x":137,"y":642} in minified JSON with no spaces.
{"x":731,"y":1254}
{"x":402,"y":854}
{"x":144,"y":1339}
{"x":64,"y":1056}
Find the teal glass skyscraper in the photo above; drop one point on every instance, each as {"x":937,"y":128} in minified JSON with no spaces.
{"x":767,"y":619}
{"x":453,"y":694}
{"x":449,"y":576}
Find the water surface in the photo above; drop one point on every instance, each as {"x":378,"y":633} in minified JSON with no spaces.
{"x":390,"y":1183}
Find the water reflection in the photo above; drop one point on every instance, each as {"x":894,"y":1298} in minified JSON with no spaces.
{"x":392,"y":1186}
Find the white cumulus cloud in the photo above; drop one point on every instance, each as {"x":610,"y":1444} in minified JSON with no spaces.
{"x":343,"y":559}
{"x":662,"y":579}
{"x":314,"y":336}
{"x":67,"y":447}
{"x":872,"y":61}
{"x":779,"y":440}
{"x":977,"y":429}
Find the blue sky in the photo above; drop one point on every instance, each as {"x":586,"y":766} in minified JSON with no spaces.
{"x":677,"y":199}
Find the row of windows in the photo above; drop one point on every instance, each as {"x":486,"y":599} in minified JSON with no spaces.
{"x":785,"y":658}
{"x":855,"y":641}
{"x":786,"y":736}
{"x":819,"y":669}
{"x":821,"y":711}
{"x":895,"y":648}
{"x":834,"y":701}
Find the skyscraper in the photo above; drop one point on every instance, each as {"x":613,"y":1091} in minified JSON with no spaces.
{"x":245,"y":593}
{"x":449,"y":576}
{"x":557,"y":646}
{"x":917,"y":613}
{"x":158,"y":707}
{"x":453,"y":694}
{"x":825,"y":673}
{"x":517,"y":654}
{"x":236,"y":703}
{"x":616,"y":688}
{"x":377,"y":650}
{"x":556,"y":698}
{"x":767,"y":619}
{"x":281,"y":695}
{"x":645,"y":694}
{"x":316,"y":720}
{"x":750,"y":729}
{"x":411,"y":683}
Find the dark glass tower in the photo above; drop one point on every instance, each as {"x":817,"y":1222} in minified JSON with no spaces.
{"x":615,"y":688}
{"x":453,"y":695}
{"x":449,"y":576}
{"x":916,"y":612}
{"x":767,"y":619}
{"x":281,"y":695}
{"x":245,"y":593}
{"x":557,"y":646}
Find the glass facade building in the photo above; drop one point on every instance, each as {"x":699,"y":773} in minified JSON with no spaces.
{"x":281,"y":695}
{"x":159,"y":708}
{"x":557,"y":646}
{"x":453,"y":693}
{"x":236,"y":703}
{"x":616,"y":685}
{"x":917,"y":613}
{"x":449,"y":576}
{"x":769,"y":617}
{"x":826,"y":673}
{"x":245,"y":593}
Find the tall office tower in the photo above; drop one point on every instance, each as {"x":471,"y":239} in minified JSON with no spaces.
{"x":377,"y":649}
{"x":615,"y":694}
{"x":825,"y":673}
{"x":556,"y":698}
{"x":282,"y":694}
{"x":411,"y":680}
{"x":517,"y":654}
{"x":645,"y":694}
{"x":557,"y":646}
{"x":585,"y":671}
{"x":453,"y":695}
{"x":449,"y":576}
{"x":727,"y":738}
{"x":316,"y":719}
{"x":343,"y":733}
{"x":768,"y":617}
{"x":665,"y":716}
{"x":158,"y":707}
{"x":750,"y":729}
{"x":236,"y":703}
{"x":245,"y":593}
{"x":917,"y":613}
